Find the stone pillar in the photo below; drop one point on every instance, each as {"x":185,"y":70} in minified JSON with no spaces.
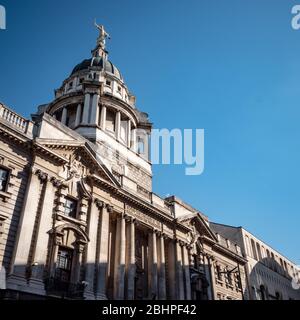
{"x":118,"y":125}
{"x":133,"y":141}
{"x":162,"y":270}
{"x":42,"y":236}
{"x":132,"y":266}
{"x":128,"y":133}
{"x":121,"y":266}
{"x":26,"y":225}
{"x":210,"y":265}
{"x":186,"y":268}
{"x":77,"y":266}
{"x":95,"y":110}
{"x":86,"y":108}
{"x":116,"y":258}
{"x":55,"y":245}
{"x":78,"y":115}
{"x":103,"y":251}
{"x":64,"y":116}
{"x":103,"y":117}
{"x":153,"y":264}
{"x":179,"y":273}
{"x":91,"y":250}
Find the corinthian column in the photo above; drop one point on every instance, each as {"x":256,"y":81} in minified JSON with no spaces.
{"x":131,"y":267}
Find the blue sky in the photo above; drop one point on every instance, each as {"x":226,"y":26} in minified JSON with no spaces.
{"x":229,"y":67}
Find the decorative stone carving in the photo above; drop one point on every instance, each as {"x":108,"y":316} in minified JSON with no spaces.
{"x":143,"y":217}
{"x":41,"y":175}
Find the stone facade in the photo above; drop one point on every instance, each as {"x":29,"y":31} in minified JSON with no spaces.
{"x":270,"y":275}
{"x":78,"y":217}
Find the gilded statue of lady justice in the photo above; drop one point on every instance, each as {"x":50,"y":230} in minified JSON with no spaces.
{"x":102,"y":35}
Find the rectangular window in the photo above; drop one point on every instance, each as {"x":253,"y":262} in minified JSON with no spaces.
{"x":64,"y":264}
{"x":123,"y":133}
{"x":70,"y":207}
{"x":141,"y":146}
{"x":4,"y":173}
{"x":110,"y":121}
{"x":108,"y":83}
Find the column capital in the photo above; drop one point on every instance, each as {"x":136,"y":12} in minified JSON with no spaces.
{"x":56,"y":182}
{"x":43,"y":176}
{"x":130,"y":219}
{"x":109,"y":208}
{"x":99,"y":203}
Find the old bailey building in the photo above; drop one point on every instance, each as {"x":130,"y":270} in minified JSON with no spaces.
{"x":80,"y":221}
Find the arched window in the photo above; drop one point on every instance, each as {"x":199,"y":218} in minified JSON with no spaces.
{"x":258,"y":251}
{"x":262,"y":290}
{"x":277,"y":295}
{"x":254,"y":254}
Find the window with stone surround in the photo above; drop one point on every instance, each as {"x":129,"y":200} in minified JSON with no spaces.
{"x":141,"y":146}
{"x":4,"y":175}
{"x":254,"y":254}
{"x":219,"y":273}
{"x":64,"y":264}
{"x":110,"y":121}
{"x":70,"y":207}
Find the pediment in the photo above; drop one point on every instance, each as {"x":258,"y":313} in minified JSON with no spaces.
{"x":199,"y":226}
{"x":77,"y":158}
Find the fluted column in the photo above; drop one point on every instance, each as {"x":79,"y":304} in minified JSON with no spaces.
{"x":132,"y":266}
{"x":118,"y":125}
{"x":64,"y":116}
{"x":103,"y":250}
{"x":103,"y":117}
{"x":95,"y":109}
{"x":86,"y":108}
{"x":78,"y":115}
{"x":186,"y":268}
{"x":179,"y":273}
{"x":120,"y":258}
{"x":162,"y":270}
